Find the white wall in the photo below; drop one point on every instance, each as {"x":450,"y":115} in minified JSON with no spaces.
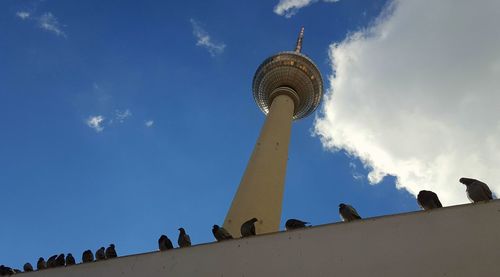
{"x":455,"y":241}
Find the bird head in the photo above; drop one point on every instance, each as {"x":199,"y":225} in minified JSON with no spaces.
{"x":216,"y":227}
{"x":112,"y":245}
{"x":182,"y":231}
{"x":254,"y":219}
{"x":466,"y":181}
{"x":342,"y":205}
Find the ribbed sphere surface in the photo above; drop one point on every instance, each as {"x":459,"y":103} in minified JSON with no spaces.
{"x":292,"y":70}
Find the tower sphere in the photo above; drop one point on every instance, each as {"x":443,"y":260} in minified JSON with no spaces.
{"x":290,"y":73}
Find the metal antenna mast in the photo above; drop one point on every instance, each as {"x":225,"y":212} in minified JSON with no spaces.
{"x":299,"y":40}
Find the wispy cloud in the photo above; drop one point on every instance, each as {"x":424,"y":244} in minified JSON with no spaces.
{"x":49,"y":22}
{"x":95,"y":122}
{"x":204,"y":40}
{"x":149,"y":123}
{"x":23,"y":15}
{"x":120,"y":116}
{"x":355,"y":173}
{"x":289,"y":8}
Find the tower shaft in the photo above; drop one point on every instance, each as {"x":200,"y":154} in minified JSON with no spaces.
{"x":260,"y":193}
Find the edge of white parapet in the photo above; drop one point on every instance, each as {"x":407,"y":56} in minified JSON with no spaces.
{"x":461,"y":240}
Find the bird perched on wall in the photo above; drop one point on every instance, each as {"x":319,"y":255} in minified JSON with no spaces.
{"x":51,"y":262}
{"x":111,"y":252}
{"x":70,"y":260}
{"x":220,"y":233}
{"x":100,"y":254}
{"x":41,"y":264}
{"x":293,"y":224}
{"x":184,"y":240}
{"x":60,"y":260}
{"x":248,"y":228}
{"x":5,"y":270}
{"x":428,"y":200}
{"x":27,"y":267}
{"x":164,"y":243}
{"x":348,"y":213}
{"x":476,"y":190}
{"x":87,"y":256}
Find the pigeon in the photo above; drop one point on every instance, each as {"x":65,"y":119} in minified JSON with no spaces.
{"x":87,"y":256}
{"x":248,"y":228}
{"x":348,"y":213}
{"x":220,"y":233}
{"x":51,"y":262}
{"x":100,"y":254}
{"x":5,"y":270}
{"x":184,"y":240}
{"x":476,"y":190}
{"x":27,"y":267}
{"x":60,"y":260}
{"x":70,"y":260}
{"x":40,"y":265}
{"x":164,"y":243}
{"x":428,"y":200}
{"x":293,"y":224}
{"x":111,"y":252}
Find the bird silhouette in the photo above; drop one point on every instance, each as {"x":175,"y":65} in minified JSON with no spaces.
{"x":348,"y":213}
{"x":51,"y":261}
{"x":60,"y":260}
{"x":111,"y":252}
{"x":428,"y":200}
{"x":100,"y":254}
{"x":184,"y":240}
{"x":41,"y":264}
{"x":164,"y":243}
{"x":87,"y":256}
{"x":5,"y":270}
{"x":27,"y":267}
{"x":476,"y":190}
{"x":248,"y":228}
{"x":293,"y":224}
{"x":70,"y":260}
{"x":220,"y":233}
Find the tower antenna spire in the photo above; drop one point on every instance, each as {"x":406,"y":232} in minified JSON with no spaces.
{"x":299,"y":40}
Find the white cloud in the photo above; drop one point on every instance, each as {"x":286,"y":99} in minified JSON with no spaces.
{"x":416,"y":96}
{"x":95,"y":122}
{"x":356,"y":175}
{"x":49,"y":22}
{"x":204,"y":39}
{"x":149,"y":123}
{"x":288,"y":8}
{"x":122,"y":115}
{"x":23,"y":15}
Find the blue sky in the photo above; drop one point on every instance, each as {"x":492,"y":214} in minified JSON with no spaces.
{"x":177,"y":121}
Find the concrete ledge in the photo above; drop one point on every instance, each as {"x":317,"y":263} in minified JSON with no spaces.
{"x":454,"y":241}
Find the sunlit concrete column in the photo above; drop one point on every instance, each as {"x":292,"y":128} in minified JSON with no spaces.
{"x":260,"y":193}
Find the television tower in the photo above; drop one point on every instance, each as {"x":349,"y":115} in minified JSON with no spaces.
{"x":286,"y":87}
